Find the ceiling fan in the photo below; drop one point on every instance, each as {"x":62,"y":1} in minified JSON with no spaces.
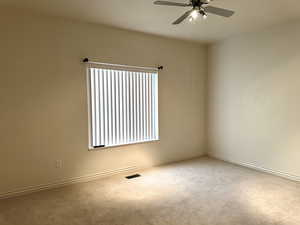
{"x":198,"y":8}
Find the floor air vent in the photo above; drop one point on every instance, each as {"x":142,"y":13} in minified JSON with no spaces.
{"x":133,"y":176}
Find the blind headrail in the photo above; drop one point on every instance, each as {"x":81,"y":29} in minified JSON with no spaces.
{"x":88,"y":61}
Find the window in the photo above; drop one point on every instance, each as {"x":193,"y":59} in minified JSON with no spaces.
{"x":123,"y":106}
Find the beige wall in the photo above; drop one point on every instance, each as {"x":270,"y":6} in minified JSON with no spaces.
{"x":43,"y":98}
{"x":254,"y":107}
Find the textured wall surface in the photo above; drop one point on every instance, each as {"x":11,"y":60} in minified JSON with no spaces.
{"x":253,"y":103}
{"x":43,"y":98}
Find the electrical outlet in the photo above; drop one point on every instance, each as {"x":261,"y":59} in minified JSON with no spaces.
{"x":58,"y":163}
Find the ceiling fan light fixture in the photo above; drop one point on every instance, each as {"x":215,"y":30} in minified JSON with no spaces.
{"x":195,"y":14}
{"x":203,"y":14}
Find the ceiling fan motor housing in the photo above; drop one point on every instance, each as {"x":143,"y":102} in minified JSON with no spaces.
{"x":198,"y":3}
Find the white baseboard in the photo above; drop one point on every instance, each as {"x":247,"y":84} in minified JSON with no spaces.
{"x":66,"y":182}
{"x":259,"y":168}
{"x":81,"y":179}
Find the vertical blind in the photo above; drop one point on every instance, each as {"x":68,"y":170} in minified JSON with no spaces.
{"x":123,"y":106}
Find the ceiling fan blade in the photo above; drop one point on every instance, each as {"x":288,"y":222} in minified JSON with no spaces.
{"x":219,"y":11}
{"x":183,"y":17}
{"x":167,"y":3}
{"x":206,"y":1}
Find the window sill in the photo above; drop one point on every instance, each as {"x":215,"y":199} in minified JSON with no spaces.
{"x":121,"y":145}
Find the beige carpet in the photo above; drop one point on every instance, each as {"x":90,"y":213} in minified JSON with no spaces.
{"x":196,"y":192}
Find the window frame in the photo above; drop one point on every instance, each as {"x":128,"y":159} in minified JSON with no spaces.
{"x":89,"y":104}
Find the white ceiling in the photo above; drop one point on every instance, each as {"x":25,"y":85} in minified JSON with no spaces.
{"x":142,"y":15}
